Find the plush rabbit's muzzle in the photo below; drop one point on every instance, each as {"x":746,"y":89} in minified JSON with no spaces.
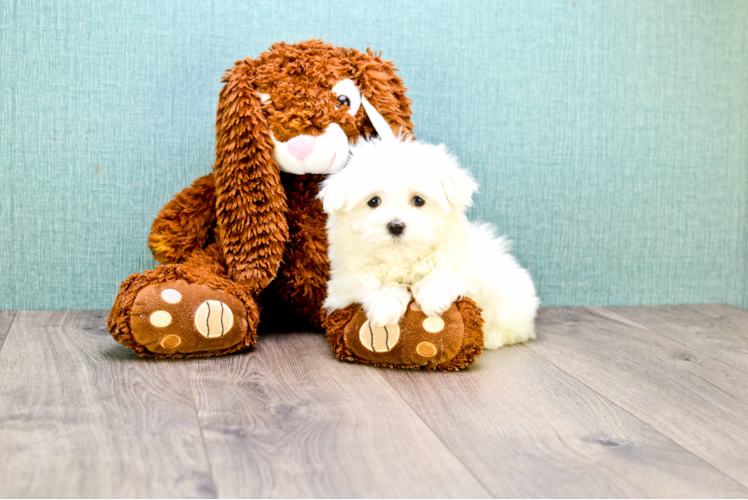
{"x":312,"y":130}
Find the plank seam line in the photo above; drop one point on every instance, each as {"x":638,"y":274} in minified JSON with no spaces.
{"x":696,"y":308}
{"x":7,"y":332}
{"x":726,"y":304}
{"x":647,"y":424}
{"x":438,"y":438}
{"x":674,"y":339}
{"x":202,"y":435}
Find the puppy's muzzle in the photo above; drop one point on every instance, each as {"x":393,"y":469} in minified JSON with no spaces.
{"x":396,"y":228}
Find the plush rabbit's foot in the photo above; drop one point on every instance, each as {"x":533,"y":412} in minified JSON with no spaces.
{"x":450,"y":341}
{"x":169,"y":313}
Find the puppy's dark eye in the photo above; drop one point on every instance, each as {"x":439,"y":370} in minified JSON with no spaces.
{"x":374,"y":202}
{"x":344,"y":101}
{"x":418,"y":201}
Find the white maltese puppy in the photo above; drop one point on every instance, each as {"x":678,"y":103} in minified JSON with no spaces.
{"x":397,"y":226}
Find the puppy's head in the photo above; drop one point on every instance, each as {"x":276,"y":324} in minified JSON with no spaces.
{"x":398,"y":193}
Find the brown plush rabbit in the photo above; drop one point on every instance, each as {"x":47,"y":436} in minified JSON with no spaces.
{"x":251,"y":236}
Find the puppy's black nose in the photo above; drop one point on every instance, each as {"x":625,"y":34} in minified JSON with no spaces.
{"x":396,"y":228}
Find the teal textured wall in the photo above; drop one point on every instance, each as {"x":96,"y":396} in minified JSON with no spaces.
{"x":610,"y":137}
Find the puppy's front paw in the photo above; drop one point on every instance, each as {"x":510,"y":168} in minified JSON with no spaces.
{"x":386,"y":306}
{"x":435,"y":296}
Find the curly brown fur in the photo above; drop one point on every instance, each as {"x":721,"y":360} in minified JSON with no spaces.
{"x":300,"y":78}
{"x":210,"y":259}
{"x":180,"y":227}
{"x":250,"y":201}
{"x":119,"y":318}
{"x":334,"y":325}
{"x":300,"y":286}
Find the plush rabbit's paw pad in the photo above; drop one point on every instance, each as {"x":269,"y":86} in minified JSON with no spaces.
{"x":417,"y":340}
{"x":180,"y":317}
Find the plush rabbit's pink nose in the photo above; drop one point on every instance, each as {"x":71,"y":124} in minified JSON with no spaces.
{"x":301,"y":145}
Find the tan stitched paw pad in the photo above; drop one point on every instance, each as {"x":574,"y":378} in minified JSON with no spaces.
{"x":379,"y":339}
{"x":213,"y":319}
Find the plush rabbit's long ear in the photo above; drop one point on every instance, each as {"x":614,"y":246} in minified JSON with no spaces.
{"x":251,"y":202}
{"x":383,"y":94}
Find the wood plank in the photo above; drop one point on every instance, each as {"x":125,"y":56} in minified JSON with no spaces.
{"x":527,"y":429}
{"x":732,"y":318}
{"x":82,"y":416}
{"x":736,"y":317}
{"x":289,"y":420}
{"x":694,"y":399}
{"x":717,"y":330}
{"x":6,"y":319}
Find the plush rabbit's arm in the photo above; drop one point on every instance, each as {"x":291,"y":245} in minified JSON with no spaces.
{"x":185,"y":223}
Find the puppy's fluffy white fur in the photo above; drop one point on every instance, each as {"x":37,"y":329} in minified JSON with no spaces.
{"x":440,"y":255}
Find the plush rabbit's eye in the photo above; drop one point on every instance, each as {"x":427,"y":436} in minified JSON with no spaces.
{"x":418,"y":201}
{"x":265,"y":99}
{"x":347,"y":94}
{"x":374,"y":202}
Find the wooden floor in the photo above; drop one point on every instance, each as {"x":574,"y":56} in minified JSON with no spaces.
{"x":608,"y":402}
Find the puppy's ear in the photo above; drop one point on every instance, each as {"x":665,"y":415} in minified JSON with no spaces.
{"x":458,"y":184}
{"x":333,"y":193}
{"x":250,"y":199}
